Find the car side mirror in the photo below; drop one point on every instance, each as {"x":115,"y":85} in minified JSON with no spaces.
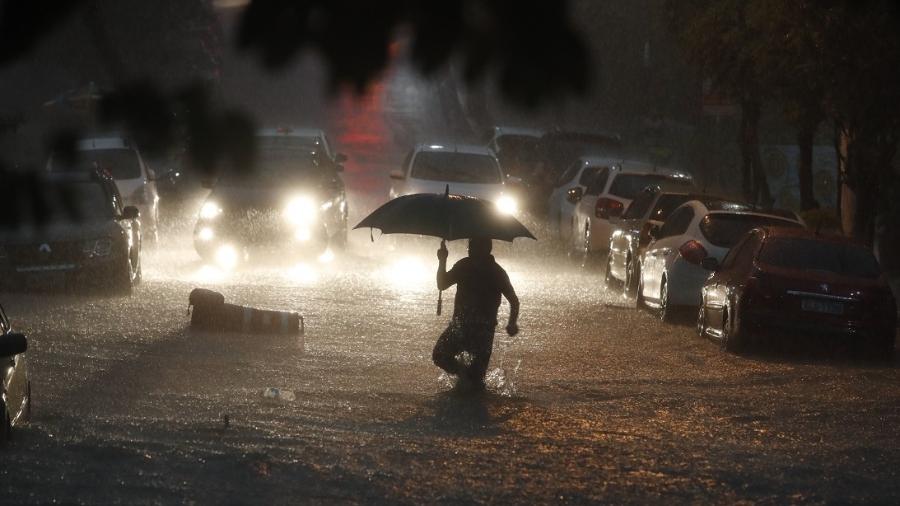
{"x":397,"y":174}
{"x":12,"y":344}
{"x":574,"y":195}
{"x":340,"y":158}
{"x":614,"y":212}
{"x":130,"y":213}
{"x":710,"y":264}
{"x":514,"y":180}
{"x":151,"y":175}
{"x":653,"y":232}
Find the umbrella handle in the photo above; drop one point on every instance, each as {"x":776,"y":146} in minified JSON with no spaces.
{"x":440,"y":301}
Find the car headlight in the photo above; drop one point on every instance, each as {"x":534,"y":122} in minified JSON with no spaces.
{"x":210,"y":210}
{"x":300,"y":210}
{"x":227,"y":256}
{"x":206,"y":234}
{"x":97,"y":248}
{"x":507,"y":205}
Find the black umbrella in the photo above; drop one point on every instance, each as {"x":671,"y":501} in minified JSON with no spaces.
{"x":446,"y":216}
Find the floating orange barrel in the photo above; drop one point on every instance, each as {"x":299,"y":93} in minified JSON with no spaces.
{"x":210,"y":312}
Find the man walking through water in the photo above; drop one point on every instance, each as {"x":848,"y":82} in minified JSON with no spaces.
{"x":480,"y":282}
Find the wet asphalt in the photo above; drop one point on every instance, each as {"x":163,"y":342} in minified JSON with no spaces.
{"x":594,"y":401}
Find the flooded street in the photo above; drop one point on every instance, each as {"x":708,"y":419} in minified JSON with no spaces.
{"x":592,"y":401}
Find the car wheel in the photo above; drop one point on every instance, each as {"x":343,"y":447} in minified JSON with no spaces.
{"x":27,"y":414}
{"x":340,"y":239}
{"x":639,"y":298}
{"x":5,"y":425}
{"x":629,"y":286}
{"x":701,"y":321}
{"x":123,"y":279}
{"x":664,"y":311}
{"x":587,"y":258}
{"x":608,"y":278}
{"x":139,"y":272}
{"x":732,"y":337}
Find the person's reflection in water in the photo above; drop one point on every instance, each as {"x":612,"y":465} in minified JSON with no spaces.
{"x":480,"y":283}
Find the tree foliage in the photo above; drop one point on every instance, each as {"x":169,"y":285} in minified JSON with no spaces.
{"x":530,"y":47}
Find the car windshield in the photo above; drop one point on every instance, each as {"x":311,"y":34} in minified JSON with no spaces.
{"x":725,"y":230}
{"x":561,"y":150}
{"x":666,"y":204}
{"x":627,"y":186}
{"x":275,"y":167}
{"x":456,"y":168}
{"x":120,"y":163}
{"x":76,"y":201}
{"x":808,"y":254}
{"x":289,"y":142}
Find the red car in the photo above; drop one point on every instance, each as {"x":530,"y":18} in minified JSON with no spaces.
{"x":792,"y":281}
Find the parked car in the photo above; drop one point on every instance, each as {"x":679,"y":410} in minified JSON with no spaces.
{"x":123,"y":161}
{"x":569,"y":189}
{"x":607,"y":195}
{"x":794,"y":282}
{"x":15,"y":389}
{"x":466,"y":169}
{"x":517,"y":149}
{"x":291,"y":203}
{"x":631,"y":233}
{"x":86,"y":237}
{"x":671,"y":274}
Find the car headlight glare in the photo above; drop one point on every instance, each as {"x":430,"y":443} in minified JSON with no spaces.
{"x":507,"y":205}
{"x":300,"y":210}
{"x":206,"y":234}
{"x":210,"y":210}
{"x":227,"y":256}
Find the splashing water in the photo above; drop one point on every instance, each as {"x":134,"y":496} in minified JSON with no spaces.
{"x":502,"y":381}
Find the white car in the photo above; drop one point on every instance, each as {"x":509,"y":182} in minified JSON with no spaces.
{"x":671,"y":270}
{"x":467,"y":169}
{"x":122,"y":160}
{"x":570,"y":189}
{"x":607,"y":195}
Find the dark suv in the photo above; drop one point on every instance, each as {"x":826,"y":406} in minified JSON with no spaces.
{"x":290,"y":203}
{"x":82,"y":235}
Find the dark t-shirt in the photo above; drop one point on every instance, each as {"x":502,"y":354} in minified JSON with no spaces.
{"x":480,"y":283}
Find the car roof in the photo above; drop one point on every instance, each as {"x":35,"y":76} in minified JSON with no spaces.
{"x":641,"y":167}
{"x":715,"y":205}
{"x":438,"y":147}
{"x":516,"y":130}
{"x":603,"y":161}
{"x":286,"y":131}
{"x":98,"y":143}
{"x":805,"y":233}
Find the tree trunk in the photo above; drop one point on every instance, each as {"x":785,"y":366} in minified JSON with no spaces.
{"x":748,"y":140}
{"x":864,"y":163}
{"x":754,"y":185}
{"x":805,"y":136}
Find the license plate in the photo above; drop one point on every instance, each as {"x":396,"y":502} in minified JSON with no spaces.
{"x":822,"y":306}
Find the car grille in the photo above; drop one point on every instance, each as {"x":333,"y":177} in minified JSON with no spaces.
{"x":46,"y":254}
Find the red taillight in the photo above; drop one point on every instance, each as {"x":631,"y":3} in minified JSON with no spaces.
{"x":693,"y":252}
{"x":608,"y":207}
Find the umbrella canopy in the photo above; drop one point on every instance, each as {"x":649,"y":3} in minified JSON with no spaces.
{"x":446,"y":216}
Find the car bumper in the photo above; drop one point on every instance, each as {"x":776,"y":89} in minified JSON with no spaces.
{"x":778,"y":323}
{"x":96,"y":271}
{"x":209,"y":237}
